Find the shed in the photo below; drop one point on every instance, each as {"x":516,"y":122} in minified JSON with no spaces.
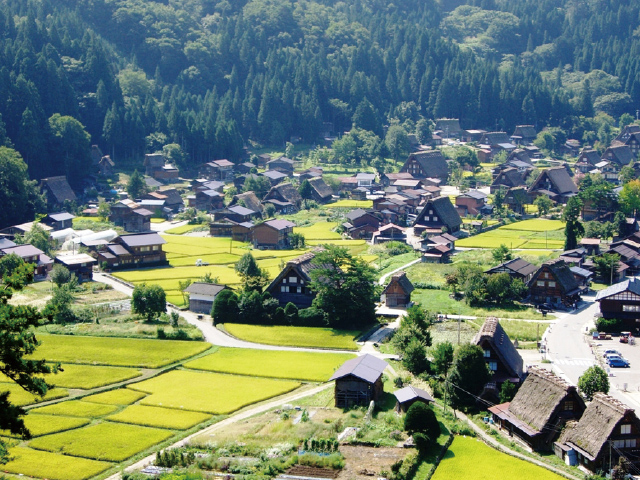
{"x":407,"y":396}
{"x":358,"y":381}
{"x":397,"y":293}
{"x":202,"y":295}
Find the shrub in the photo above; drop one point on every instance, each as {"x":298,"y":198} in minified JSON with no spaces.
{"x":422,"y":419}
{"x":609,"y":325}
{"x":422,"y":442}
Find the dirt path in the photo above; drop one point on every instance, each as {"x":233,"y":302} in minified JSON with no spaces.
{"x":243,"y":414}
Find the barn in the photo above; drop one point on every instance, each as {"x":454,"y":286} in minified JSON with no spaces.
{"x":358,"y":381}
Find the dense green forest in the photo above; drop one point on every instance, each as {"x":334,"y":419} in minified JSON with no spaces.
{"x":211,"y":75}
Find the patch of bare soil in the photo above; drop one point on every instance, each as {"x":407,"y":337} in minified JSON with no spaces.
{"x":366,"y":463}
{"x":314,"y":472}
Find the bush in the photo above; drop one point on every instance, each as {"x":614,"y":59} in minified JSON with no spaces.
{"x":422,"y":419}
{"x":609,"y":325}
{"x":422,"y":442}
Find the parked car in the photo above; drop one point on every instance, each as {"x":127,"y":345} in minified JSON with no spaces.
{"x":609,"y":356}
{"x":618,"y":362}
{"x":624,"y":337}
{"x":611,"y":352}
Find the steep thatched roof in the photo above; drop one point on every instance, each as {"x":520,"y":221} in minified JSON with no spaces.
{"x":321,"y":188}
{"x":562,"y":275}
{"x":539,"y":397}
{"x":285,"y":192}
{"x":445,"y":211}
{"x":59,"y":189}
{"x":598,"y":422}
{"x":249,"y":199}
{"x":493,"y":332}
{"x":401,"y":279}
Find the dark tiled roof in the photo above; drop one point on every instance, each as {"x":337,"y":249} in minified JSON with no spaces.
{"x":61,"y":217}
{"x":23,"y":251}
{"x":493,"y":332}
{"x":280,"y":224}
{"x":366,"y":367}
{"x":240,"y":210}
{"x":476,"y":194}
{"x":409,"y":393}
{"x":632,"y":285}
{"x":517,"y":265}
{"x":202,"y":288}
{"x":142,"y":239}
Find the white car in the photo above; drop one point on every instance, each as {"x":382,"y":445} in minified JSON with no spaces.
{"x":611,"y":352}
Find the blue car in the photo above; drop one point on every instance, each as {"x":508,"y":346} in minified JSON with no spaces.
{"x":618,"y":362}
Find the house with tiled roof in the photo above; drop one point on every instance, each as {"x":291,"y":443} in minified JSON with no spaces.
{"x":470,"y":202}
{"x":272,"y":235}
{"x":359,"y":381}
{"x":361,"y":224}
{"x":202,"y":295}
{"x":516,"y":268}
{"x":221,"y":170}
{"x":42,"y":263}
{"x":282,"y":164}
{"x":130,"y":216}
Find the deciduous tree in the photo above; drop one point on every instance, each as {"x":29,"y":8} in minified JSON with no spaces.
{"x":593,"y":380}
{"x":149,"y":301}
{"x":467,"y":377}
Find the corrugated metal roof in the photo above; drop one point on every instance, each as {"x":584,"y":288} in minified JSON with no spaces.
{"x":367,"y":367}
{"x":410,"y":393}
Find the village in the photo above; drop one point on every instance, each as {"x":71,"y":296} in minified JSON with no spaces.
{"x":471,"y":273}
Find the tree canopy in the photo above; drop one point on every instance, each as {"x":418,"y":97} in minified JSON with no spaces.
{"x":149,"y":301}
{"x":593,"y":380}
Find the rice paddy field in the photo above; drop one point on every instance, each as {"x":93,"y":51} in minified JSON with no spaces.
{"x":312,"y":337}
{"x":122,"y":396}
{"x":87,"y":377}
{"x":319,"y":231}
{"x":470,"y":458}
{"x":36,"y":463}
{"x":18,"y":396}
{"x":125,"y":352}
{"x":364,"y":204}
{"x":113,"y":442}
{"x":159,"y":417}
{"x":532,"y":234}
{"x":39,"y":425}
{"x":212,"y":393}
{"x":76,"y":408}
{"x":309,"y":366}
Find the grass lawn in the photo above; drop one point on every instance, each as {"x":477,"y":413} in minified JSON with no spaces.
{"x":77,"y":408}
{"x":89,"y":376}
{"x":209,"y":392}
{"x":438,"y":301}
{"x":159,"y":417}
{"x":45,"y":424}
{"x":310,"y":366}
{"x":295,"y":336}
{"x":116,"y":351}
{"x":18,"y":396}
{"x":121,"y":396}
{"x":113,"y":442}
{"x":471,"y":459}
{"x":34,"y":463}
{"x":319,"y":231}
{"x":158,"y":220}
{"x":364,"y":204}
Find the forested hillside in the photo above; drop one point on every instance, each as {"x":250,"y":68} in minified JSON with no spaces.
{"x":211,"y":75}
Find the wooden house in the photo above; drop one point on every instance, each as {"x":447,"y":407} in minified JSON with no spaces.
{"x":621,"y":155}
{"x":607,"y":430}
{"x":407,"y":396}
{"x":202,"y":295}
{"x":501,"y":357}
{"x":437,"y":216}
{"x":221,"y":170}
{"x":33,"y":255}
{"x":262,"y":160}
{"x":633,"y":142}
{"x":106,"y":165}
{"x":238,"y":231}
{"x":285,"y":197}
{"x":130,"y":216}
{"x":358,"y":381}
{"x":282,"y":164}
{"x":389,"y":233}
{"x":320,"y":191}
{"x":626,"y":132}
{"x":427,"y":164}
{"x":524,"y":135}
{"x":275,"y":176}
{"x":388,"y":179}
{"x":516,"y":268}
{"x":144,"y":249}
{"x":153,"y":164}
{"x":57,"y":191}
{"x":397,"y":293}
{"x":449,"y":127}
{"x":554,"y":284}
{"x":554,"y":182}
{"x":292,"y":283}
{"x":506,"y":179}
{"x":470,"y":202}
{"x":209,"y":200}
{"x":361,"y":224}
{"x":272,"y":235}
{"x":542,"y":406}
{"x":79,"y":264}
{"x":59,"y":221}
{"x":621,"y":301}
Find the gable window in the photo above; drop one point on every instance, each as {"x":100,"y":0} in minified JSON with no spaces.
{"x":293,"y":279}
{"x":630,"y":443}
{"x":568,"y":405}
{"x":618,"y":443}
{"x":540,"y":283}
{"x":487,"y":353}
{"x":493,"y":366}
{"x":625,"y":429}
{"x":552,"y":284}
{"x":283,"y":289}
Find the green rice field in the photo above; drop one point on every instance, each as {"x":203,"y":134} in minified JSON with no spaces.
{"x":90,"y":376}
{"x":113,"y":442}
{"x":181,"y":229}
{"x":212,"y":393}
{"x":116,"y":351}
{"x":528,"y":234}
{"x":364,"y":204}
{"x":319,"y":231}
{"x":471,"y":459}
{"x":159,"y":417}
{"x":39,"y":425}
{"x":309,"y":366}
{"x":121,"y":396}
{"x":35,"y":463}
{"x":77,"y":408}
{"x":313,"y":337}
